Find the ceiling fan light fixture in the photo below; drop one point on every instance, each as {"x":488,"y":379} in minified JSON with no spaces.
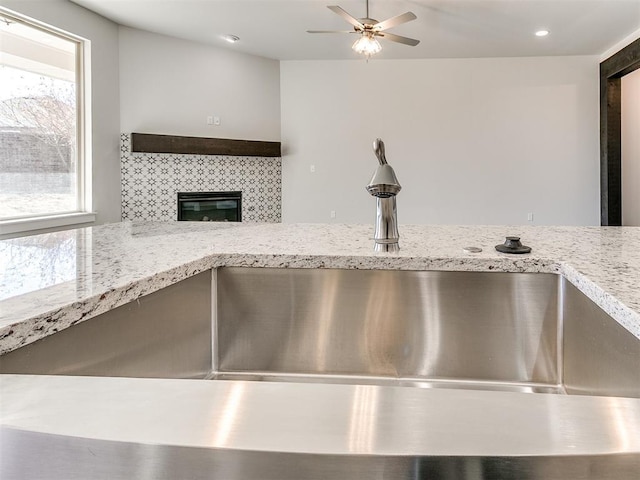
{"x":367,"y":45}
{"x":369,"y":29}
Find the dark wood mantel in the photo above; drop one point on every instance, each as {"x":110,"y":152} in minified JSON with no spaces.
{"x":152,"y":143}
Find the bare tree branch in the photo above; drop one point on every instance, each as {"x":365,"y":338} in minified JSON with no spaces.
{"x":48,"y":113}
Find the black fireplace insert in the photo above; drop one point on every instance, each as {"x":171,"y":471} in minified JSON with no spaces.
{"x":210,"y":206}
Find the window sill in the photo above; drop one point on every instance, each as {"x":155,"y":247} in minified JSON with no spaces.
{"x":25,"y":225}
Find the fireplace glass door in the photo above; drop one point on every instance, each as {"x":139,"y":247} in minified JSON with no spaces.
{"x":210,"y":206}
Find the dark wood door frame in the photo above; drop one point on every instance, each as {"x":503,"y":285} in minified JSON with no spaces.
{"x":611,"y":71}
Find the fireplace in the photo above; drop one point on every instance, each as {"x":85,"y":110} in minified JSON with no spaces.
{"x":210,"y":206}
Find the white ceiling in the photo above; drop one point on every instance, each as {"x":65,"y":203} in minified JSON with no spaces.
{"x":446,"y":28}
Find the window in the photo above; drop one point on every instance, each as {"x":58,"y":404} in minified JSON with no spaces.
{"x":44,"y":168}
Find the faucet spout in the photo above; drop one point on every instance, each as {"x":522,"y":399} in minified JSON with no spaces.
{"x":385,"y":186}
{"x":386,"y":236}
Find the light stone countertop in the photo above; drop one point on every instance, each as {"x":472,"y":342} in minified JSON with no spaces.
{"x":52,"y":281}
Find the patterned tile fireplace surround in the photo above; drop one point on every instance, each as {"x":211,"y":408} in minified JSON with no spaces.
{"x":151,"y":182}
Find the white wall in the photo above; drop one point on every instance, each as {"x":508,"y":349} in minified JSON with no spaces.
{"x":170,"y":86}
{"x":472,"y":141}
{"x":104,"y":92}
{"x":631,"y":149}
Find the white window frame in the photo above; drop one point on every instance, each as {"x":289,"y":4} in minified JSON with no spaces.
{"x":85,"y":213}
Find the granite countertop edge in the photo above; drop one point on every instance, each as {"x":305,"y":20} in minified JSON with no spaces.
{"x":25,"y":322}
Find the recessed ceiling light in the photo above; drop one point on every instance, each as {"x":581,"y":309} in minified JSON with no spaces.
{"x":542,"y":33}
{"x":230,"y":38}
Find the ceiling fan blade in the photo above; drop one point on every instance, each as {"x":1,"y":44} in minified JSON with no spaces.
{"x":332,"y":31}
{"x":346,"y":16}
{"x":393,"y":21}
{"x":397,"y":38}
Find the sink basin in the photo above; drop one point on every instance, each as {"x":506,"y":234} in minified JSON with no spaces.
{"x":521,"y":332}
{"x":298,"y":373}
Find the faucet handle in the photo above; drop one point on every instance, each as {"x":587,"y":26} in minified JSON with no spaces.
{"x":378,"y":148}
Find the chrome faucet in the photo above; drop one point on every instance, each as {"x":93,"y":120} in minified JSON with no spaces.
{"x":384,"y":186}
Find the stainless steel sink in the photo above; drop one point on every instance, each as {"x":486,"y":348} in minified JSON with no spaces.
{"x":490,"y":331}
{"x":427,"y":329}
{"x":524,"y":332}
{"x":300,"y":372}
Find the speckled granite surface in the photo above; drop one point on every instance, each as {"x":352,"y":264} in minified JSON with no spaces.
{"x":50,"y":282}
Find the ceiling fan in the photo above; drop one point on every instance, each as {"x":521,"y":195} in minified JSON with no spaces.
{"x":369,"y":29}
